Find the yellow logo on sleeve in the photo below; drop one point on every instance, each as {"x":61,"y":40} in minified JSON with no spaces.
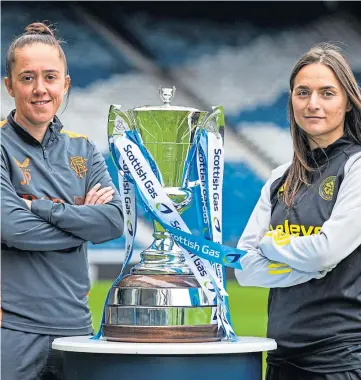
{"x":279,"y":237}
{"x":278,"y":268}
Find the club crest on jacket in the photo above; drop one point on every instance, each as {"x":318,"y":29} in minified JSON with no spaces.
{"x":77,"y":163}
{"x":327,"y":188}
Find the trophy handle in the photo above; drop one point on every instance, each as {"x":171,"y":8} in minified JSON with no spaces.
{"x":118,"y":122}
{"x":214,"y":122}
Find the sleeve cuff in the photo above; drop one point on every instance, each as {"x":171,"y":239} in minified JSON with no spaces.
{"x":42,"y":208}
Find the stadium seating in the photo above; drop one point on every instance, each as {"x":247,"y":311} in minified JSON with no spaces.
{"x":242,"y":67}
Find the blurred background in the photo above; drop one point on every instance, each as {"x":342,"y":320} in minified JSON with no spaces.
{"x":235,"y":54}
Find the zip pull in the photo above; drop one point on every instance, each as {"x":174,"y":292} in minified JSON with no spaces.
{"x":51,"y":139}
{"x":45,"y":154}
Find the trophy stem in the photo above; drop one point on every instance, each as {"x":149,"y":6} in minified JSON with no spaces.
{"x":159,"y":232}
{"x":162,"y":257}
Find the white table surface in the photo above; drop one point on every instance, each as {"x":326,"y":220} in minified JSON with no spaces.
{"x":102,"y":346}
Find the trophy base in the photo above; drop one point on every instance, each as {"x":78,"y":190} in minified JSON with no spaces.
{"x":159,"y":308}
{"x":161,"y":334}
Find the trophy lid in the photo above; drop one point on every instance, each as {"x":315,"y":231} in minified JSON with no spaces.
{"x":166,"y":94}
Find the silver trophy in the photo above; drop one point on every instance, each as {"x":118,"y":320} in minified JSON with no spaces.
{"x":161,"y":300}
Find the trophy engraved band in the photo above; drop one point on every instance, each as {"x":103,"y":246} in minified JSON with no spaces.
{"x":161,"y":300}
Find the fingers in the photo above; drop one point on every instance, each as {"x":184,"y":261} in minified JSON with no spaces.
{"x":91,"y":192}
{"x":97,"y":195}
{"x":28,"y":203}
{"x":107,"y":199}
{"x":105,"y":196}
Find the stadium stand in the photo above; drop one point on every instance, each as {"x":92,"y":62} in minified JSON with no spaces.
{"x":241,"y":66}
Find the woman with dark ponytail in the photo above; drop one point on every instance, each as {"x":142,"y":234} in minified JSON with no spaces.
{"x":56,"y":195}
{"x":303,"y":239}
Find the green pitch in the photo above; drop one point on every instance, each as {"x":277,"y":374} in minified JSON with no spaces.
{"x":248,"y":307}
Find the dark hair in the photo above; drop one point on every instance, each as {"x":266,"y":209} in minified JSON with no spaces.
{"x":36,"y":32}
{"x":333,"y":57}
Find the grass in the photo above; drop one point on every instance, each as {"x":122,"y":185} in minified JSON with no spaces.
{"x":248,"y":308}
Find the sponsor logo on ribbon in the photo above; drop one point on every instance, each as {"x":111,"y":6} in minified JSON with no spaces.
{"x":231,"y":258}
{"x":163,"y":208}
{"x":130,"y":228}
{"x":216,"y":223}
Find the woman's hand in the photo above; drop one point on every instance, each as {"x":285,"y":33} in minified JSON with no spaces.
{"x":98,"y":195}
{"x":28,"y":203}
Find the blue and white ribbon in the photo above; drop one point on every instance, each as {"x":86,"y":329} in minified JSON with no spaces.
{"x":162,"y":209}
{"x":210,"y":170}
{"x":208,"y":250}
{"x":161,"y":206}
{"x":215,"y":167}
{"x":202,"y":194}
{"x":127,"y":193}
{"x":128,"y":196}
{"x":142,"y":180}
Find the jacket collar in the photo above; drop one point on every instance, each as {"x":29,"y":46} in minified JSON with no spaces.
{"x":320,"y":156}
{"x":54,"y":127}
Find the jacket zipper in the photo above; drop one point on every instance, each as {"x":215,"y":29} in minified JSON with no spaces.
{"x":45,"y":155}
{"x":45,"y":151}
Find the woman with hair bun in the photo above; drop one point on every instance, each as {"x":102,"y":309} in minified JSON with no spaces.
{"x":56,"y":195}
{"x":303,"y":239}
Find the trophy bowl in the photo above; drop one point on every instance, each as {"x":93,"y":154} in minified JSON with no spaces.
{"x":161,"y":300}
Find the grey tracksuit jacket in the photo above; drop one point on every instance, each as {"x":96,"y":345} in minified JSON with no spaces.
{"x":44,"y":282}
{"x":310,"y":257}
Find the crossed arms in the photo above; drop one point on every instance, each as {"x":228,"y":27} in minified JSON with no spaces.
{"x":52,"y":226}
{"x":301,"y":258}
